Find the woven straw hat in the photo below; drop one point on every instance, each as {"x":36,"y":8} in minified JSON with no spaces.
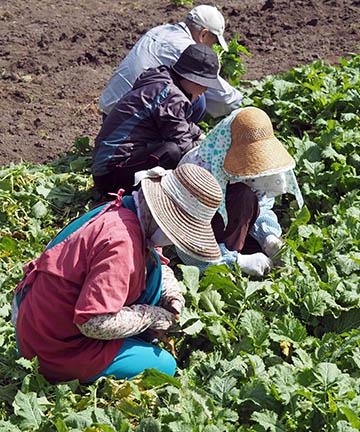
{"x":254,"y":150}
{"x":183,"y":203}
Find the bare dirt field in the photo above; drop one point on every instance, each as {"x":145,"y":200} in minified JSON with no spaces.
{"x":56,"y":56}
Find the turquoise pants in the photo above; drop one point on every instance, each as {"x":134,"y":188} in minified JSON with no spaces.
{"x":134,"y":357}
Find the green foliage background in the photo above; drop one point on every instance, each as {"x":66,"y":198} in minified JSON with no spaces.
{"x":280,"y":354}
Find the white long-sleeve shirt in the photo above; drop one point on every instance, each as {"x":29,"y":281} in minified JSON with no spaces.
{"x":163,"y":45}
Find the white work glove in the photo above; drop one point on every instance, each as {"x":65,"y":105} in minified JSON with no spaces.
{"x":272,"y":245}
{"x":256,"y":264}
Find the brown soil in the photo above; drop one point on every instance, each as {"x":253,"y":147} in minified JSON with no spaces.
{"x":56,"y":56}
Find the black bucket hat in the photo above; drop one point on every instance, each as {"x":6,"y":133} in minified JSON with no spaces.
{"x":199,"y":64}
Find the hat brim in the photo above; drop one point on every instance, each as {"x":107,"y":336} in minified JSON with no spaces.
{"x":259,"y":158}
{"x":212,"y":83}
{"x":222,"y":42}
{"x":191,"y":235}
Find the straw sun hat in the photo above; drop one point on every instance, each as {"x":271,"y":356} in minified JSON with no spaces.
{"x":183,"y":202}
{"x":254,"y":150}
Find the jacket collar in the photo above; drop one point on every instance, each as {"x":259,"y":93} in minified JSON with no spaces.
{"x":176,"y":80}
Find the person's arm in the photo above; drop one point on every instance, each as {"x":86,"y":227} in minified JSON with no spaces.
{"x":130,"y":321}
{"x":257,"y":264}
{"x":266,"y":224}
{"x":171,"y":298}
{"x":172,"y":121}
{"x":222,"y":102}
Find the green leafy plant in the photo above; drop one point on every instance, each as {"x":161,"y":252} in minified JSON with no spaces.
{"x":279,"y":354}
{"x":232,"y":65}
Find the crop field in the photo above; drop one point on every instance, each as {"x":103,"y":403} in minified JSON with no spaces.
{"x":278,"y":354}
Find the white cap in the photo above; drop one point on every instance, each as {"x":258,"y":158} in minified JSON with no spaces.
{"x":210,"y":18}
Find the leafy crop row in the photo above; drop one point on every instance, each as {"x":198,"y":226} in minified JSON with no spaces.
{"x":280,"y":354}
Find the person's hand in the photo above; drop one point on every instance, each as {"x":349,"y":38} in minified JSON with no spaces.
{"x":163,"y":319}
{"x":161,"y":336}
{"x":173,"y":304}
{"x":257,"y":264}
{"x":272,"y":245}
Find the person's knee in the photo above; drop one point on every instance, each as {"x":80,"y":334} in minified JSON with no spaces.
{"x":167,"y":363}
{"x":172,"y":156}
{"x":168,"y":156}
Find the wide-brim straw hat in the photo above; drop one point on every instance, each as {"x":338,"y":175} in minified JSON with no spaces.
{"x":183,"y":203}
{"x":254,"y":150}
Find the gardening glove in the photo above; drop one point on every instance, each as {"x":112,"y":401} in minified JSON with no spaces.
{"x":257,"y":264}
{"x":272,"y":245}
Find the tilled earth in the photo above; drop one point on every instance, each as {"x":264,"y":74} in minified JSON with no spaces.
{"x":56,"y":56}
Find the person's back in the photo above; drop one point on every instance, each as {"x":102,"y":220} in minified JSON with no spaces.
{"x":163,"y":45}
{"x":159,"y":46}
{"x":69,"y":274}
{"x":137,"y":124}
{"x":152,"y":124}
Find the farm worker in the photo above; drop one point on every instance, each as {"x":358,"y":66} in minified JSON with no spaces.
{"x":151,"y":124}
{"x":252,"y":168}
{"x":163,"y":45}
{"x":100,"y":283}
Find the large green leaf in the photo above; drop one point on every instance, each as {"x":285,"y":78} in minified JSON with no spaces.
{"x":148,"y":425}
{"x":153,"y":378}
{"x":191,"y":278}
{"x":352,"y":416}
{"x":194,"y":328}
{"x":254,"y":324}
{"x":269,"y":421}
{"x":30,"y":409}
{"x":327,"y":373}
{"x":6,"y":426}
{"x":211,"y":301}
{"x":318,"y":302}
{"x":289,"y":329}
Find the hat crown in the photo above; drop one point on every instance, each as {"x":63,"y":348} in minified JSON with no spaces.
{"x":251,"y":125}
{"x":183,"y":203}
{"x":200,"y":183}
{"x":208,"y":17}
{"x":254,"y":149}
{"x":198,"y":60}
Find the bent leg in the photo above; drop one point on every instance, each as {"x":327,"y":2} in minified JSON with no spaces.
{"x":121,"y":177}
{"x":167,"y":156}
{"x":135,"y":356}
